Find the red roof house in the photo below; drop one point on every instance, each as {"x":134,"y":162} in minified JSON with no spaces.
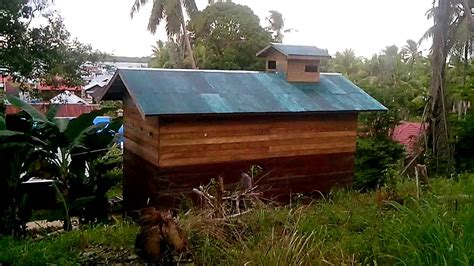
{"x":65,"y":110}
{"x":408,"y":134}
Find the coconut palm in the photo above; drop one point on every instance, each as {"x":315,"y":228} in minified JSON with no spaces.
{"x":166,"y":55}
{"x":410,"y":52}
{"x":173,"y":13}
{"x":277,"y":25}
{"x":448,"y":16}
{"x":347,"y":63}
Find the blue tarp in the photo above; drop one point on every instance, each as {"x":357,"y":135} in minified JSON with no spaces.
{"x":106,"y":120}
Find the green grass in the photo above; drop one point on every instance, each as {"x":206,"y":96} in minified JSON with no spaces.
{"x":350,"y":227}
{"x":345,"y":228}
{"x":65,"y":249}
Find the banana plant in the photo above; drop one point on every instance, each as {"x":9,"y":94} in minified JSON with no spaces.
{"x":69,"y":145}
{"x":19,"y":149}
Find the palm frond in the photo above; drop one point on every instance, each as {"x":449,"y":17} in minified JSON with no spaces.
{"x":463,"y":32}
{"x":3,"y":125}
{"x":33,"y":112}
{"x":173,"y":17}
{"x":156,"y":15}
{"x":136,"y":6}
{"x":190,"y":6}
{"x":427,"y":35}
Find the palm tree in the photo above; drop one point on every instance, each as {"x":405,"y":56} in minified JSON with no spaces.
{"x":172,"y":11}
{"x":410,"y":52}
{"x":166,"y":55}
{"x":347,"y":63}
{"x":277,"y":25}
{"x":448,"y":16}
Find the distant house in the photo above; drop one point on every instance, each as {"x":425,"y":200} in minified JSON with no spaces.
{"x":71,"y":104}
{"x":96,"y":83}
{"x":65,"y":110}
{"x":184,"y":127}
{"x":408,"y":134}
{"x":47,"y":92}
{"x":67,"y":97}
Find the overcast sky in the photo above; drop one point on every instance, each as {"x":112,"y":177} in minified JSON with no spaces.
{"x":367,"y":26}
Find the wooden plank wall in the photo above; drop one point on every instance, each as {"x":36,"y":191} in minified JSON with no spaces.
{"x":141,"y":135}
{"x":206,"y":141}
{"x":299,"y":154}
{"x":280,"y":59}
{"x":284,"y":176}
{"x":296,"y":71}
{"x":140,"y":188}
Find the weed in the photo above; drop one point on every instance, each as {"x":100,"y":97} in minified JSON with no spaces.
{"x":347,"y":227}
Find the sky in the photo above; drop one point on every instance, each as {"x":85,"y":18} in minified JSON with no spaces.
{"x":366,"y":26}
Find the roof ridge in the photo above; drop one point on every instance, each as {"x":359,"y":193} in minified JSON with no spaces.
{"x":216,"y":71}
{"x":298,"y":45}
{"x":331,"y":73}
{"x":192,"y":70}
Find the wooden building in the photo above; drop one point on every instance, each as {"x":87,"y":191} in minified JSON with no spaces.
{"x":184,"y":127}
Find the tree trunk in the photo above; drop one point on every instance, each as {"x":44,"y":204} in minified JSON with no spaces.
{"x":468,"y":14}
{"x":189,"y":49}
{"x":437,"y":115}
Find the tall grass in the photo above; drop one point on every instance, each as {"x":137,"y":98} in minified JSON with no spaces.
{"x":351,"y":228}
{"x":346,"y":227}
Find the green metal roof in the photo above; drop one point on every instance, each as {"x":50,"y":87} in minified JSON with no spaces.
{"x":295,"y":50}
{"x":167,"y":92}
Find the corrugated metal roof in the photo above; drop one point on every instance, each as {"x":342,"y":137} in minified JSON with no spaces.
{"x":408,"y":134}
{"x":44,"y":87}
{"x":296,"y":50}
{"x":65,"y":110}
{"x":164,"y":91}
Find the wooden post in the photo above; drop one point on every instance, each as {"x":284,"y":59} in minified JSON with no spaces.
{"x":219,"y":196}
{"x":423,"y":174}
{"x":417,"y":184}
{"x":421,"y":177}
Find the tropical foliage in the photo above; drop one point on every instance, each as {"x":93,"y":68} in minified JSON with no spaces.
{"x":40,"y":51}
{"x":45,"y":147}
{"x":452,"y":36}
{"x":227,"y":36}
{"x":223,"y":36}
{"x":167,"y":55}
{"x":464,"y":131}
{"x":374,"y":158}
{"x":172,"y":12}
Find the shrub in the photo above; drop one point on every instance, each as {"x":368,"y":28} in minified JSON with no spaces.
{"x":465,"y":143}
{"x":105,"y":173}
{"x":374,"y":156}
